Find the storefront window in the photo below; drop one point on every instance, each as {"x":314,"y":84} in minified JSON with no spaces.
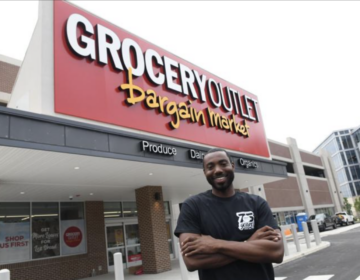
{"x":73,"y":237}
{"x":134,"y":255}
{"x":132,"y":234}
{"x":45,"y":230}
{"x":115,"y":236}
{"x":112,"y":210}
{"x":111,"y":255}
{"x":14,"y":232}
{"x":130,"y":209}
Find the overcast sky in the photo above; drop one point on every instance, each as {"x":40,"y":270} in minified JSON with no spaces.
{"x":301,"y":59}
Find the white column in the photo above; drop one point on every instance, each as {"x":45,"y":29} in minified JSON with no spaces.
{"x":332,"y":180}
{"x":300,"y":173}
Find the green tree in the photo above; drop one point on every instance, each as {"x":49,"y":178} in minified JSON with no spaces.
{"x":357,"y":204}
{"x":347,"y":206}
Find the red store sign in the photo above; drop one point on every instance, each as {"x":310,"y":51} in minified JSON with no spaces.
{"x":106,"y":74}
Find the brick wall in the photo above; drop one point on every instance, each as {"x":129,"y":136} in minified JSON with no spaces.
{"x":283,"y":193}
{"x":73,"y":267}
{"x":279,"y":150}
{"x":310,"y":158}
{"x":152,"y":228}
{"x":8,"y":73}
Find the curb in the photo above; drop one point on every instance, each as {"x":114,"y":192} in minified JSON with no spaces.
{"x":323,"y":245}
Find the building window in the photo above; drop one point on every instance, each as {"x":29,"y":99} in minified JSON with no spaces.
{"x":355,"y":172}
{"x":338,"y":143}
{"x":315,"y":172}
{"x":341,"y":176}
{"x":14,"y":232}
{"x":130,"y":209}
{"x":352,"y":190}
{"x":331,"y":147}
{"x":345,"y":190}
{"x":73,"y":239}
{"x":357,"y":136}
{"x":347,"y":174}
{"x":112,"y":210}
{"x":351,"y":157}
{"x":346,"y":140}
{"x":45,"y":230}
{"x":45,"y":235}
{"x":357,"y":188}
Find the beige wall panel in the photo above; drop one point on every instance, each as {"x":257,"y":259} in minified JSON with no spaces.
{"x":312,"y":159}
{"x":319,"y":191}
{"x":278,"y":150}
{"x":284,"y":193}
{"x":8,"y":73}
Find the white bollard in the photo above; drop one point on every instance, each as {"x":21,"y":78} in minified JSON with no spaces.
{"x":5,"y":274}
{"x":306,"y":234}
{"x":296,"y":238}
{"x":284,"y":241}
{"x":316,"y":232}
{"x":118,"y":266}
{"x":183,"y":269}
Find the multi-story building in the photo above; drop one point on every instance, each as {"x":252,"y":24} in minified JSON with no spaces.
{"x":342,"y":147}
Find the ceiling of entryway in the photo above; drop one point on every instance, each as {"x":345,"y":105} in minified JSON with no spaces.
{"x":33,"y":175}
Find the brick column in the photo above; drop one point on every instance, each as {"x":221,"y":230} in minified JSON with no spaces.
{"x":152,"y":228}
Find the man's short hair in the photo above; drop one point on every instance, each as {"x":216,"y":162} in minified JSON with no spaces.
{"x":213,"y":150}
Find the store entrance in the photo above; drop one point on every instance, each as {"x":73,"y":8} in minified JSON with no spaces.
{"x":123,"y":237}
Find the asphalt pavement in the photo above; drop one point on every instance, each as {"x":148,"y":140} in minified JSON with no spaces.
{"x":340,"y":261}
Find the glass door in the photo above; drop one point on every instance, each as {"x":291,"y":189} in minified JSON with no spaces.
{"x":133,"y":249}
{"x":115,"y":244}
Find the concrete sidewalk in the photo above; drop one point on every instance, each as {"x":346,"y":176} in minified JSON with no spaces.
{"x":174,"y":274}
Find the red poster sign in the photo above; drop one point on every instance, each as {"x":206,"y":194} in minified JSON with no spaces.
{"x":106,"y":74}
{"x":73,"y":237}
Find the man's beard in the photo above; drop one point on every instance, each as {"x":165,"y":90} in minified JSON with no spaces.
{"x":223,"y":186}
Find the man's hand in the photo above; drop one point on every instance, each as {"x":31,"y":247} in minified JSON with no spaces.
{"x":203,"y":244}
{"x":266,"y":233}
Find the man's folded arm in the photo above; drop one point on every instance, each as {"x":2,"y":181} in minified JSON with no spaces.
{"x":257,"y":251}
{"x":261,"y":250}
{"x":203,"y":261}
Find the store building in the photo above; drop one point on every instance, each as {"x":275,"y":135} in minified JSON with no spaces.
{"x":101,"y":138}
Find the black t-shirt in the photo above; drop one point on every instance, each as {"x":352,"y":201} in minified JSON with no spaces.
{"x":234,"y":219}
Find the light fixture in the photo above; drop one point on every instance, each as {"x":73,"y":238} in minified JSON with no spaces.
{"x":150,"y":174}
{"x":91,"y":194}
{"x":76,"y":167}
{"x":22,"y":192}
{"x":259,"y":189}
{"x":157,"y":196}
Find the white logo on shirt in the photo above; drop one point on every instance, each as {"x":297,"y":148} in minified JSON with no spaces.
{"x":246,"y":220}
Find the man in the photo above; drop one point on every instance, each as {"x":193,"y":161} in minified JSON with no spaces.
{"x":225,"y":234}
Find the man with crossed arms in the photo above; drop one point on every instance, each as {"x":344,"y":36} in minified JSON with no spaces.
{"x":228,"y":235}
